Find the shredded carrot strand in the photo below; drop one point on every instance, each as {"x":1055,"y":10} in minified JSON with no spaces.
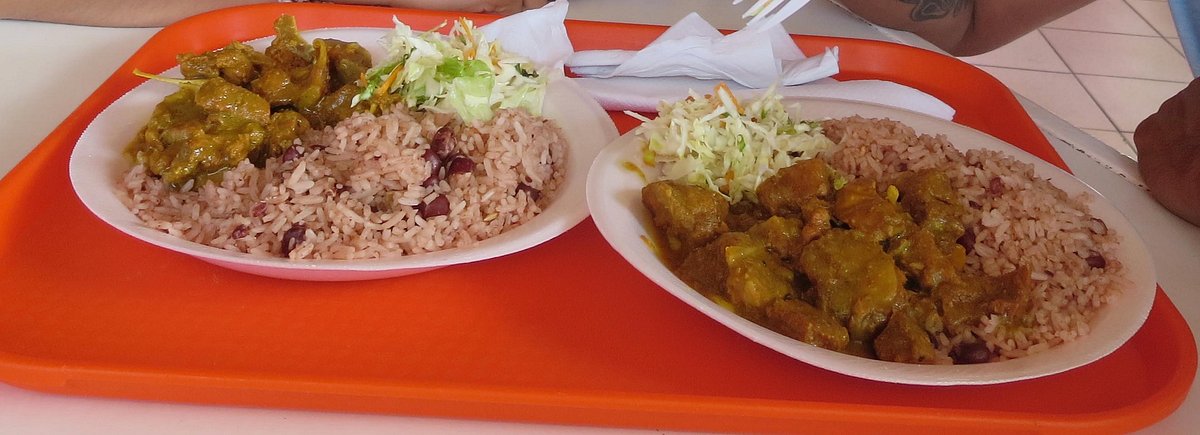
{"x":724,"y":87}
{"x":387,"y":83}
{"x":469,"y":51}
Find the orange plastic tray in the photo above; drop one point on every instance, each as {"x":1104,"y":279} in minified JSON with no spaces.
{"x":566,"y":332}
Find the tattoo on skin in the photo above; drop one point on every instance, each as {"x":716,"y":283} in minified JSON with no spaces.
{"x":924,"y":10}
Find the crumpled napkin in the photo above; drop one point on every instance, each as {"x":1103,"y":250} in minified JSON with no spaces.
{"x":754,"y":57}
{"x":539,"y":35}
{"x":641,"y":94}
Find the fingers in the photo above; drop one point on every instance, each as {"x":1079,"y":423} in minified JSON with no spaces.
{"x":1177,"y":116}
{"x":1168,"y":144}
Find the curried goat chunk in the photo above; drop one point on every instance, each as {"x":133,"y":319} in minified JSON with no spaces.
{"x":760,"y":288}
{"x":907,"y":336}
{"x":928,"y":196}
{"x":785,"y":192}
{"x":861,"y":207}
{"x":783,"y":236}
{"x":965,"y":301}
{"x":920,"y":256}
{"x":801,"y":321}
{"x":687,"y":216}
{"x":756,"y":277}
{"x":705,"y":269}
{"x":855,"y":280}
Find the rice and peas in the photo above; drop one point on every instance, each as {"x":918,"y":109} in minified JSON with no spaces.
{"x":356,"y":190}
{"x":468,"y":157}
{"x":1013,"y":218}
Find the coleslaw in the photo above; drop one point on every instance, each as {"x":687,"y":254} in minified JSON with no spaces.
{"x":717,"y":142}
{"x":462,"y":73}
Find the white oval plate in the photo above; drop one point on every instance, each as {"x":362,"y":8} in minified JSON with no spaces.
{"x":97,"y":165}
{"x":614,"y":196}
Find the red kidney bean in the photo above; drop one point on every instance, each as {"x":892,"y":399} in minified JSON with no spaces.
{"x":972,"y":353}
{"x":1095,"y":260}
{"x":432,"y":179}
{"x":967,"y":240}
{"x":432,"y":156}
{"x":995,"y":186}
{"x":1099,"y":227}
{"x":530,"y":192}
{"x":443,"y":141}
{"x":240,"y":231}
{"x":292,"y":238}
{"x":435,"y":167}
{"x":439,"y":206}
{"x":290,"y":154}
{"x":259,"y":210}
{"x":460,"y":164}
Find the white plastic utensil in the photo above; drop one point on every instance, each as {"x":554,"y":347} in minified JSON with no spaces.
{"x":767,"y":13}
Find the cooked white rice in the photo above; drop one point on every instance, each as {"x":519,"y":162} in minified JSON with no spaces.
{"x":355,"y":190}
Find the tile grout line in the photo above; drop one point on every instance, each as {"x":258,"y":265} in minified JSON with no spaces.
{"x":1051,"y":26}
{"x":1085,"y":88}
{"x":1177,"y":49}
{"x":1160,"y":39}
{"x":1152,"y":26}
{"x":1017,"y":68}
{"x":1156,"y":34}
{"x":1144,"y":19}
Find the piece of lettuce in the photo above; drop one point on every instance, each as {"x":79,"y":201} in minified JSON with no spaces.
{"x":461,"y":73}
{"x":470,"y":89}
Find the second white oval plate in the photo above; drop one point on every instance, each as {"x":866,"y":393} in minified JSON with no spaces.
{"x":614,"y":197}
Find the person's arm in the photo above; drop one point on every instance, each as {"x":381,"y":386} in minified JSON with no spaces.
{"x":503,"y":7}
{"x":1168,"y":147}
{"x":112,"y":13}
{"x":141,"y":13}
{"x":964,"y":27}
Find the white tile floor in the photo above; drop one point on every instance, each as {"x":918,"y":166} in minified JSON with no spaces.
{"x":1103,"y":68}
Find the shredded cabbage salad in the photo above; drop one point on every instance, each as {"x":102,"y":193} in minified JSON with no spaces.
{"x":717,"y":142}
{"x":462,"y":73}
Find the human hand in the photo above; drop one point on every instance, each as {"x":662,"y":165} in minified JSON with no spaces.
{"x":1168,"y":145}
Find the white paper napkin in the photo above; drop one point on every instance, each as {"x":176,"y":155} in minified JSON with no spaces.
{"x":754,"y":57}
{"x":750,"y":59}
{"x":539,"y":35}
{"x":643,"y":94}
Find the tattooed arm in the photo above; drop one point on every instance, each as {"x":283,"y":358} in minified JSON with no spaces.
{"x":964,"y":27}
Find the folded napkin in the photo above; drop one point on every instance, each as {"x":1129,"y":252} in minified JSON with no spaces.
{"x":539,"y":35}
{"x":643,"y":94}
{"x":754,"y":57}
{"x":692,"y":55}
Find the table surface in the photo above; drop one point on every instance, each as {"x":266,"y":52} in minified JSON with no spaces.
{"x":61,"y":65}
